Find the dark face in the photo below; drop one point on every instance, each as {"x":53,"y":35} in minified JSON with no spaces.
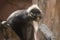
{"x":35,"y":13}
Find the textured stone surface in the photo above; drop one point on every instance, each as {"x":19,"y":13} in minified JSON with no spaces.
{"x":51,"y":15}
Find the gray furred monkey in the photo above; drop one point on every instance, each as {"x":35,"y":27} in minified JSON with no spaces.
{"x":23,"y":23}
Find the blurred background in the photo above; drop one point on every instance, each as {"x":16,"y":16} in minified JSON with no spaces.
{"x":50,"y":8}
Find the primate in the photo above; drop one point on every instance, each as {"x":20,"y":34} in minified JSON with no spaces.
{"x":23,"y":22}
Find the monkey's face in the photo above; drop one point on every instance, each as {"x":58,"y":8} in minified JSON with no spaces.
{"x":35,"y":14}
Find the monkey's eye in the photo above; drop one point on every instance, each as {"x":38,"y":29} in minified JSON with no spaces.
{"x":30,"y":14}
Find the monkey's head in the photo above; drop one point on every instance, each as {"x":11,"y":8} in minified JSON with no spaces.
{"x":34,"y":12}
